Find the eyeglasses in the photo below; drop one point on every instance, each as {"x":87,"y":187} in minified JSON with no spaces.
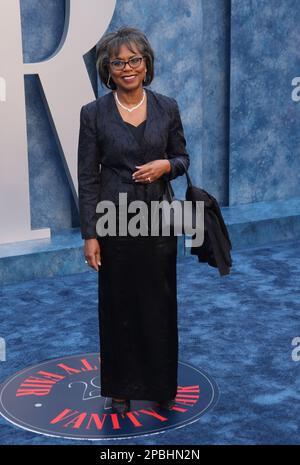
{"x":119,"y":65}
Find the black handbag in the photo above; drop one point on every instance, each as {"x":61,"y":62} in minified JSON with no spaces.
{"x":216,"y":246}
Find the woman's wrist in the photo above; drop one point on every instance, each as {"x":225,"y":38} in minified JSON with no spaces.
{"x":168,"y":166}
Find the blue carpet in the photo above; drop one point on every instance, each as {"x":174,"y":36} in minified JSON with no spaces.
{"x":238,"y":328}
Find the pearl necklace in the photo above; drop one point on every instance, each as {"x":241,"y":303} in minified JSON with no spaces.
{"x":133,"y":108}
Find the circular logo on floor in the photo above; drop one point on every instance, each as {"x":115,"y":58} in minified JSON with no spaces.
{"x":62,"y":398}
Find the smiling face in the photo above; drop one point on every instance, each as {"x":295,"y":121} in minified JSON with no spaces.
{"x":129,"y":78}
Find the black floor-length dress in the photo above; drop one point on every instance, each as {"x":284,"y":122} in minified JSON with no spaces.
{"x":138,"y":314}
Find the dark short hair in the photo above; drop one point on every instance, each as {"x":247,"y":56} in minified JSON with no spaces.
{"x":110,"y":45}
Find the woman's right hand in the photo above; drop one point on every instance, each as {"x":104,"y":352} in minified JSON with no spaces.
{"x":92,"y":253}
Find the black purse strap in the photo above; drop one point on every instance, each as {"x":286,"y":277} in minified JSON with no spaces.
{"x":169,"y":186}
{"x":188,"y":178}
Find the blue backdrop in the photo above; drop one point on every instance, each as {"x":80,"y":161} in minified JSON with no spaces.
{"x":228,"y":63}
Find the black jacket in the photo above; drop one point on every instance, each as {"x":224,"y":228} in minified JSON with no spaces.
{"x":216,"y":246}
{"x":108,"y":153}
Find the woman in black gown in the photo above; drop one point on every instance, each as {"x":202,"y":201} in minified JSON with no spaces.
{"x":137,"y":274}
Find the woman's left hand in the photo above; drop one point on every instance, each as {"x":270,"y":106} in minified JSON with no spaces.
{"x":153,"y":170}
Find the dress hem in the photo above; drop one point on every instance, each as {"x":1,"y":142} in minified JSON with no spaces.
{"x":131,"y":396}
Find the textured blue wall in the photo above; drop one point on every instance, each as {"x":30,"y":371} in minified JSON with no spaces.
{"x":228,"y":64}
{"x":214,"y":54}
{"x":265,"y":125}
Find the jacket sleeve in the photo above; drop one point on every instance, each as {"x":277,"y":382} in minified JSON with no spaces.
{"x":176,"y":147}
{"x":88,"y":175}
